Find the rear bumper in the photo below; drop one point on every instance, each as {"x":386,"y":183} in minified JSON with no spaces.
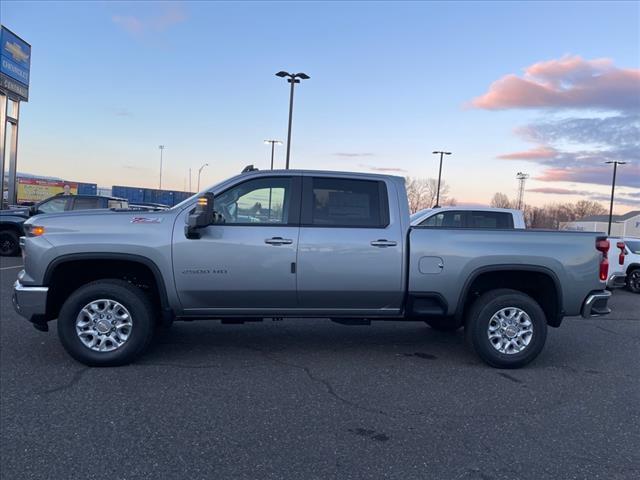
{"x":596,"y":304}
{"x":30,"y":302}
{"x":617,"y":280}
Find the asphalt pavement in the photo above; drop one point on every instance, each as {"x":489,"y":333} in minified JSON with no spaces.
{"x":310,"y":399}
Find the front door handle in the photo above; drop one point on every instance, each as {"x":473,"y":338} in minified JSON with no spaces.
{"x":383,"y":243}
{"x":278,"y":241}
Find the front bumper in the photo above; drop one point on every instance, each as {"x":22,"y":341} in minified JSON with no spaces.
{"x":30,"y":302}
{"x":596,"y":304}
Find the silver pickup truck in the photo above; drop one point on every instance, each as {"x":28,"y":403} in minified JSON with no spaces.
{"x":276,"y":244}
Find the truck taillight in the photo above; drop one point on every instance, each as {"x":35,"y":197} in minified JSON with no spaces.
{"x":621,"y":246}
{"x":602,"y":245}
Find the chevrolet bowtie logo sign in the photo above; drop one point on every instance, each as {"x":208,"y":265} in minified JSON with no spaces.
{"x":15,"y":64}
{"x":16,"y":52}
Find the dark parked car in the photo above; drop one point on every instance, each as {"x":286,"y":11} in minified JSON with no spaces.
{"x":11,"y":220}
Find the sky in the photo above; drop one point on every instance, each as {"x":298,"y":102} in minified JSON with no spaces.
{"x":547,"y":88}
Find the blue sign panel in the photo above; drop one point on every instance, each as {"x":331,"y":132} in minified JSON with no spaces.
{"x":15,"y":62}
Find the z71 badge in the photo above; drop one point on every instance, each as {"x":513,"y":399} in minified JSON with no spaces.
{"x":146,"y":220}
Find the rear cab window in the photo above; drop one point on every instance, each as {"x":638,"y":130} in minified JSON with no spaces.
{"x":341,"y":202}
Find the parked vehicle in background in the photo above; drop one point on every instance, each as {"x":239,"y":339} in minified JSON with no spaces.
{"x":626,"y":267}
{"x":11,"y":220}
{"x":467,"y":217}
{"x":301,"y":244}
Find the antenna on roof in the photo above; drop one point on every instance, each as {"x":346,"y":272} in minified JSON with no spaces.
{"x":249,"y":168}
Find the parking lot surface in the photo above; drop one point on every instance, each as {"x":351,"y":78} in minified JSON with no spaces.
{"x":310,"y":399}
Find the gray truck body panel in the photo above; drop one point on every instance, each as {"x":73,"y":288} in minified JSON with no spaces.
{"x":331,"y":272}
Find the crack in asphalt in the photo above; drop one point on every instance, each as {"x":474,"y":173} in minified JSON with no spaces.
{"x":613,"y":332}
{"x":74,"y":380}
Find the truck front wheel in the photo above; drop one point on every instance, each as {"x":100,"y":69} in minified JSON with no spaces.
{"x":106,"y":323}
{"x":506,"y":328}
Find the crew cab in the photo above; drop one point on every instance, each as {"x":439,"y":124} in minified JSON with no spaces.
{"x":290,"y":243}
{"x":11,"y":220}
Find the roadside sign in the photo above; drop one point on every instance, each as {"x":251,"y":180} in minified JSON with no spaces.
{"x":15,"y":63}
{"x":34,"y":189}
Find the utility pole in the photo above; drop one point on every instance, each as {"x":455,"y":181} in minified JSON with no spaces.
{"x":199,"y":172}
{"x":522,"y":178}
{"x":161,"y":147}
{"x":292,"y":78}
{"x":273,"y":144}
{"x":613,"y":188}
{"x":441,"y":153}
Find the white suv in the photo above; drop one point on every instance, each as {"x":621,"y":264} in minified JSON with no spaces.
{"x":627,"y":273}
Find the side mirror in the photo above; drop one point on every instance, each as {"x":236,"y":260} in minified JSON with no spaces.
{"x":33,"y":210}
{"x":201,"y":217}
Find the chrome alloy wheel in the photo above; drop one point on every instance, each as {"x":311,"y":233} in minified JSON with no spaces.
{"x":510,"y":330}
{"x":634,"y":281}
{"x":104,"y":325}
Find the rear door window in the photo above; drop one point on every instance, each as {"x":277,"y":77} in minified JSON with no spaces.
{"x":483,"y":219}
{"x":447,"y":219}
{"x":339,"y":202}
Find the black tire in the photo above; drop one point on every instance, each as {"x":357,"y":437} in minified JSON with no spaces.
{"x":444,"y":324}
{"x":9,"y":243}
{"x":477,"y":324}
{"x":633,"y":280}
{"x":129,"y":296}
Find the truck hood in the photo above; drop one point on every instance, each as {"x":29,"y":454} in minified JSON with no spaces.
{"x":15,"y":212}
{"x":99,"y":219}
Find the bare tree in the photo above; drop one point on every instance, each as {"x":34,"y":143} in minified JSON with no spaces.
{"x":584,"y":208}
{"x":500,"y":200}
{"x":422,"y":193}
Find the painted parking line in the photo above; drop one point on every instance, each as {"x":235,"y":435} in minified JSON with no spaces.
{"x":8,"y":268}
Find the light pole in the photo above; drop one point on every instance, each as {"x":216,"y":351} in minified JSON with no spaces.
{"x":273,"y":144}
{"x":292,"y":78}
{"x":441,"y":153}
{"x":613,"y":188}
{"x":199,"y":172}
{"x":161,"y":147}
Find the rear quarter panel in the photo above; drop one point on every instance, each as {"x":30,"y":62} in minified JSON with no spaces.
{"x":570,"y":256}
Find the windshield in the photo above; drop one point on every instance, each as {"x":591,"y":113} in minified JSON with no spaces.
{"x":634,"y":247}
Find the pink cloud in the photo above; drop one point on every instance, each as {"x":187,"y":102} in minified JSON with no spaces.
{"x":538,"y":153}
{"x":628,"y":175}
{"x":568,"y":82}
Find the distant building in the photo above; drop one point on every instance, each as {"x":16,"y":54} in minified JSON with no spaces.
{"x":627,"y":225}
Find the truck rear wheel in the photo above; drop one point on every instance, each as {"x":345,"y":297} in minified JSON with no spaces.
{"x":106,"y":323}
{"x":506,"y":328}
{"x":633,"y":280}
{"x":9,"y":243}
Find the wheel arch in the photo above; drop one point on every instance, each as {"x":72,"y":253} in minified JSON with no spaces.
{"x":521,"y":273}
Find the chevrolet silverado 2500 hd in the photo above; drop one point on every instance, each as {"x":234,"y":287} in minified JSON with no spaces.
{"x":301,"y":244}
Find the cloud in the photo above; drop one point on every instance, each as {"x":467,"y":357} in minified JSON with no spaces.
{"x":624,"y":199}
{"x":355,"y":154}
{"x":558,"y":191}
{"x":123,"y":112}
{"x":538,"y":153}
{"x":383,"y":169}
{"x":568,"y":82}
{"x":171,"y":14}
{"x":628,"y":175}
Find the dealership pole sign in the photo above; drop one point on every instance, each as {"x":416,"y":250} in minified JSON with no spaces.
{"x":15,"y":64}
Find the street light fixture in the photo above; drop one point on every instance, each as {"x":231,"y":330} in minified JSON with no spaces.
{"x":441,"y":153}
{"x":292,"y":78}
{"x":273,"y":144}
{"x":161,"y":147}
{"x":199,"y":172}
{"x":613,"y":188}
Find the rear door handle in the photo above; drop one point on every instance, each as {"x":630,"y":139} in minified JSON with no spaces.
{"x":278,"y":241}
{"x":383,"y":243}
